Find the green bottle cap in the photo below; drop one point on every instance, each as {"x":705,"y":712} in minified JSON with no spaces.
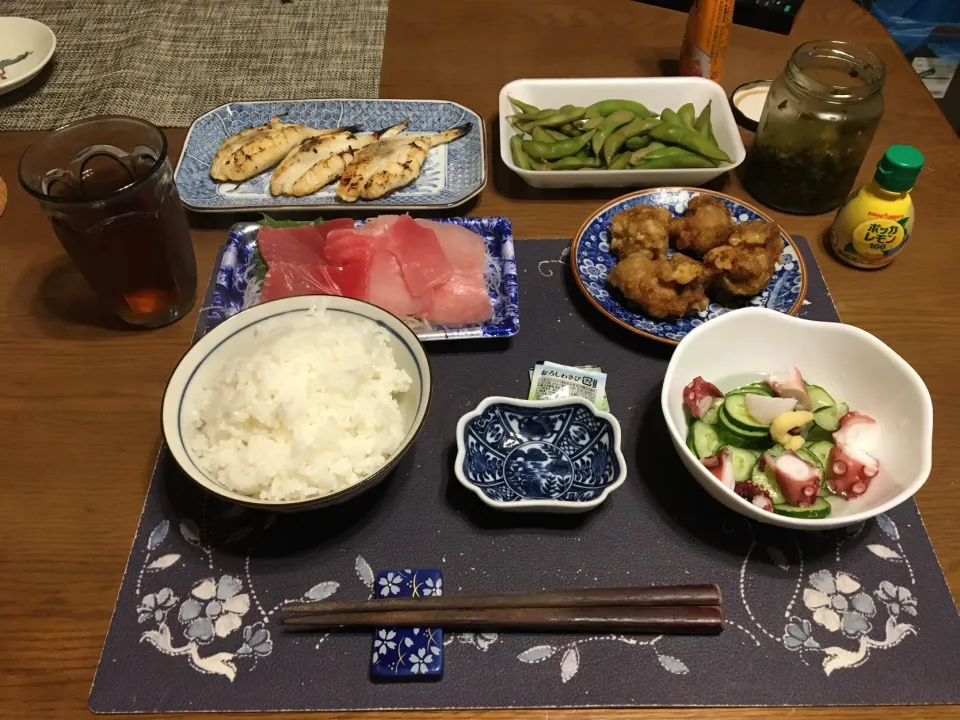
{"x":898,"y":168}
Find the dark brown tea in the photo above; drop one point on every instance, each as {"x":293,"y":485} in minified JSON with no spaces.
{"x":116,"y":211}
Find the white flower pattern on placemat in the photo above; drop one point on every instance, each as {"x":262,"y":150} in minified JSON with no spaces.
{"x":215,"y":608}
{"x":830,"y":613}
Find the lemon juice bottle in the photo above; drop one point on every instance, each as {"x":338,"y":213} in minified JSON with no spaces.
{"x":874,"y":223}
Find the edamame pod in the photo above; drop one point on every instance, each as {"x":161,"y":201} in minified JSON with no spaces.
{"x":683,"y":159}
{"x":522,"y":106}
{"x":670,"y":116}
{"x":689,"y":139}
{"x":606,"y":107}
{"x":590,"y":123}
{"x":541,"y":135}
{"x":556,"y":150}
{"x":577,"y":162}
{"x":614,"y":120}
{"x":617,"y":138}
{"x":620,"y":162}
{"x":704,"y":125}
{"x":688,"y":114}
{"x":638,"y":156}
{"x":520,"y":158}
{"x":637,"y":142}
{"x":569,"y":129}
{"x":568,"y":113}
{"x":558,"y":134}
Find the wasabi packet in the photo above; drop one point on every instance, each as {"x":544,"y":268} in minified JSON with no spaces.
{"x":549,"y":381}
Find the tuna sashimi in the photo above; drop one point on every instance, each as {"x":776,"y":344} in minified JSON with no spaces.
{"x":344,"y":247}
{"x":420,"y":268}
{"x":422,"y":260}
{"x":463,"y":298}
{"x":388,"y":290}
{"x":284,"y":279}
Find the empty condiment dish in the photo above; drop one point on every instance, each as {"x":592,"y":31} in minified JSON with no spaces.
{"x":539,"y":455}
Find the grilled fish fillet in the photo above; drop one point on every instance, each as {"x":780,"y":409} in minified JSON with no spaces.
{"x":320,"y":160}
{"x":389,"y":164}
{"x":254,"y":150}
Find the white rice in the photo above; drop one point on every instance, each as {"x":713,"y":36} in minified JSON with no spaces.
{"x":307,"y":410}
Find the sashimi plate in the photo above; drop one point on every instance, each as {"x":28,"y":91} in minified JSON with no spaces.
{"x":451,"y":175}
{"x":592,"y":260}
{"x":238,"y":285}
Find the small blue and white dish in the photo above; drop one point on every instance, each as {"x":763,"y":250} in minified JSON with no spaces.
{"x":451,"y":175}
{"x":591,"y":261}
{"x":539,"y":455}
{"x":237,"y":285}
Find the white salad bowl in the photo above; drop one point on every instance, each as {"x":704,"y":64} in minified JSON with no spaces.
{"x":852,"y":365}
{"x":656,"y":93}
{"x":235,"y":335}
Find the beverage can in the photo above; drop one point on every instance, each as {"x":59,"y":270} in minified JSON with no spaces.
{"x":705,"y":43}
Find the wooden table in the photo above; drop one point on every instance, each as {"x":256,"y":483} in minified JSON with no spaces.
{"x":80,"y":398}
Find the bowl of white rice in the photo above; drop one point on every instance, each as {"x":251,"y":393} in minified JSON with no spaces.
{"x":297,"y":403}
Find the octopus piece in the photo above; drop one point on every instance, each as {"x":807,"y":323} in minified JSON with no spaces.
{"x":744,"y":265}
{"x":851,"y":464}
{"x":798,"y":479}
{"x":705,"y":225}
{"x":790,"y":384}
{"x":699,"y":395}
{"x":721,"y":467}
{"x":665,"y":287}
{"x":755,"y":494}
{"x":640,"y":229}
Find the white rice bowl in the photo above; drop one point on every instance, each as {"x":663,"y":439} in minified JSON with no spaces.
{"x":309,"y":409}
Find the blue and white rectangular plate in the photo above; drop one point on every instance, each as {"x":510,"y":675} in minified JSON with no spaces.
{"x":237,"y":286}
{"x":451,"y":175}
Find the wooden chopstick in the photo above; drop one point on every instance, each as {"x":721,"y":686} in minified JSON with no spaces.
{"x":676,"y":619}
{"x":598,"y":597}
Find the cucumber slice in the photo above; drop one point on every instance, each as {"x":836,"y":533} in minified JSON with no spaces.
{"x":710,"y":417}
{"x":757,"y":388}
{"x":743,"y":461}
{"x":805,"y":454}
{"x":819,"y":398}
{"x":828,"y":418}
{"x":819,"y":508}
{"x":742,"y":437}
{"x":702,"y":439}
{"x":821,"y":449}
{"x":762,"y":479}
{"x":735,"y":405}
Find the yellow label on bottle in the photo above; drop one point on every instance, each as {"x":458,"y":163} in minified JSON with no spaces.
{"x":876,"y":238}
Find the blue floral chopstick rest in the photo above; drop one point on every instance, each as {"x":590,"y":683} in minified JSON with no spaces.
{"x":407,"y":653}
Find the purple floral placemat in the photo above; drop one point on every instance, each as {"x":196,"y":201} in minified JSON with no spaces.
{"x":852,"y":617}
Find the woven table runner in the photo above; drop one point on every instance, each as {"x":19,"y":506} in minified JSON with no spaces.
{"x":859,"y":616}
{"x":169,"y":61}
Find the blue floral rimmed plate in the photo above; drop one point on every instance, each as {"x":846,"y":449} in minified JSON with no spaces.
{"x":451,"y":175}
{"x":591,"y":260}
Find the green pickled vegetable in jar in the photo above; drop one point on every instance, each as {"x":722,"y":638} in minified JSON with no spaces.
{"x":818,"y":121}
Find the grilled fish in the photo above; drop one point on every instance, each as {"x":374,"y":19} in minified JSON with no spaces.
{"x":319,"y":160}
{"x":254,"y":150}
{"x":390,"y":164}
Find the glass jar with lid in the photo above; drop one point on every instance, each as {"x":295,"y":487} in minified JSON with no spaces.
{"x":817,"y":124}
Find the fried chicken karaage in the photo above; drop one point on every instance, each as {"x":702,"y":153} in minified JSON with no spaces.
{"x":640,"y":229}
{"x":746,"y":263}
{"x":704,"y":226}
{"x":664,"y":287}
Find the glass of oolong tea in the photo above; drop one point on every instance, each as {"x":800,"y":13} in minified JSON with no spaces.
{"x":107,"y":187}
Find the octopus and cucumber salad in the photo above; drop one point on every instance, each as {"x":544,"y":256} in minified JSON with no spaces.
{"x":782,"y":444}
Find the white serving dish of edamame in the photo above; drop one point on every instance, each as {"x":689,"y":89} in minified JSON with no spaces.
{"x":864,"y":376}
{"x":654,"y":93}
